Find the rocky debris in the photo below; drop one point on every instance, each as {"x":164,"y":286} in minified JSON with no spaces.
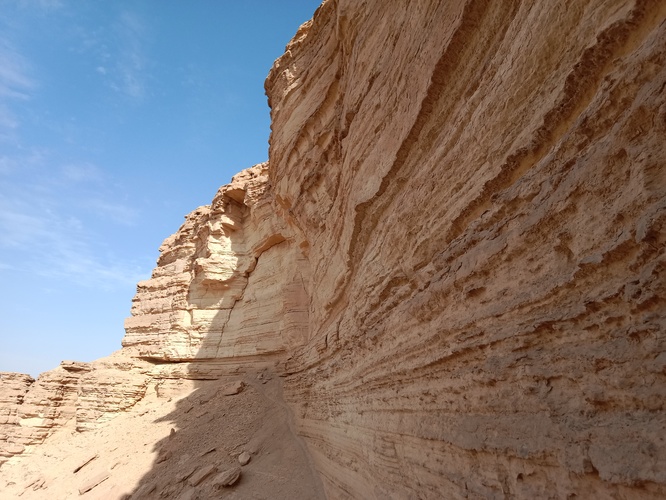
{"x":244,"y":458}
{"x":93,"y":482}
{"x":164,"y":455}
{"x":199,"y":451}
{"x":201,"y":474}
{"x":232,"y":388}
{"x":227,"y":478}
{"x":37,"y":483}
{"x":188,"y":494}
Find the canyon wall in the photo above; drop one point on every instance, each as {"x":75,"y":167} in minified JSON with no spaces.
{"x":480,"y":187}
{"x":454,"y":257}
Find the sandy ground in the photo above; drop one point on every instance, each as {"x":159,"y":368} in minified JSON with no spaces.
{"x":176,"y":443}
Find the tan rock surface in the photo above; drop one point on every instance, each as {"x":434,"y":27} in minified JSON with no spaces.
{"x":227,"y":284}
{"x":455,"y":262}
{"x":481,"y":189}
{"x":13,"y":387}
{"x":139,"y":455}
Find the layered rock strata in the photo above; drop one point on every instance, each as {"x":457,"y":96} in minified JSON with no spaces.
{"x":481,"y":188}
{"x":455,"y":258}
{"x":13,"y":387}
{"x":81,"y":395}
{"x":228,"y":285}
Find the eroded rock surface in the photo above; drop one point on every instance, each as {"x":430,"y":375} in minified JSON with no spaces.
{"x":481,"y":190}
{"x":13,"y":387}
{"x":455,"y":259}
{"x":227,"y":285}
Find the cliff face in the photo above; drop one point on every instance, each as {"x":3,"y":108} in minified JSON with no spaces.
{"x":228,"y":285}
{"x":455,"y":258}
{"x":480,"y":187}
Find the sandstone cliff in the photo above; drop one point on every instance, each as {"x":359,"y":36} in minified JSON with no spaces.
{"x":454,"y":256}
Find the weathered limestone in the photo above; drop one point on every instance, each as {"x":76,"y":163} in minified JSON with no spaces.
{"x":13,"y":387}
{"x":480,"y":187}
{"x":83,"y":394}
{"x":227,"y":284}
{"x":456,"y":258}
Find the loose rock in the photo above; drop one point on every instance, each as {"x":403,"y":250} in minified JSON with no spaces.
{"x":244,"y":458}
{"x":199,"y":476}
{"x":232,"y":388}
{"x":227,"y":478}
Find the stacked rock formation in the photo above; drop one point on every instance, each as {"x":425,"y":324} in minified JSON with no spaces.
{"x":454,"y":257}
{"x":228,"y":284}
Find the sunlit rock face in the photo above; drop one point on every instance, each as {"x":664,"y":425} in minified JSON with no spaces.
{"x":454,"y":257}
{"x":13,"y":388}
{"x":228,"y":284}
{"x":481,"y":190}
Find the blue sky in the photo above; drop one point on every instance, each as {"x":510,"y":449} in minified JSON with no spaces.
{"x":116,"y":119}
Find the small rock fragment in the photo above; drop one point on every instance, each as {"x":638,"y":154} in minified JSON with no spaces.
{"x":89,"y":485}
{"x":183,"y":475}
{"x":88,"y":458}
{"x":227,"y":478}
{"x":145,"y":490}
{"x":164,"y":455}
{"x":188,"y":494}
{"x":232,"y":388}
{"x":209,"y":450}
{"x":199,"y":476}
{"x":244,"y":458}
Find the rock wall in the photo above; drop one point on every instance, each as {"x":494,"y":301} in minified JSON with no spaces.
{"x":480,"y":187}
{"x":455,"y":258}
{"x":13,"y":387}
{"x":228,"y":284}
{"x":83,"y":395}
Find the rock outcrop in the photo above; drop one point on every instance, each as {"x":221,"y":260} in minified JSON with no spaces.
{"x":481,"y":189}
{"x":454,"y":257}
{"x":228,"y":285}
{"x":13,"y":387}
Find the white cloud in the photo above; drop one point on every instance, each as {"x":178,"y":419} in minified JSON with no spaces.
{"x":117,"y":212}
{"x":128,"y":76}
{"x":51,"y":221}
{"x":15,"y":85}
{"x":84,"y":172}
{"x":57,"y":246}
{"x":14,"y":80}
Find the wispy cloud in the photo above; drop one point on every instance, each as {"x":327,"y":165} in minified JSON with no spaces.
{"x":50,"y":220}
{"x":14,"y":80}
{"x":82,"y":172}
{"x":15,"y":85}
{"x":128,"y":74}
{"x":117,"y":212}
